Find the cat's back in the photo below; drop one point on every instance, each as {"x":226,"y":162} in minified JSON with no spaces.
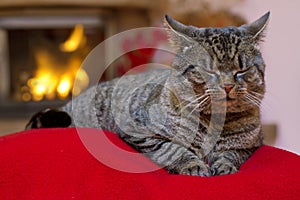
{"x":97,"y":106}
{"x":129,"y":83}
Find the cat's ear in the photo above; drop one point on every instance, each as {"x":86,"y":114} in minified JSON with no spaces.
{"x":256,"y":28}
{"x":180,"y":35}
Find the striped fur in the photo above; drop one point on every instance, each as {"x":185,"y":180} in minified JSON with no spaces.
{"x":175,"y":116}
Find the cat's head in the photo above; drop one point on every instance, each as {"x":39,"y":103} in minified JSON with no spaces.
{"x":222,"y":63}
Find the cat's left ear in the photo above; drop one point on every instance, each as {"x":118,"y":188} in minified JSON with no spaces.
{"x":256,"y":28}
{"x":180,"y":35}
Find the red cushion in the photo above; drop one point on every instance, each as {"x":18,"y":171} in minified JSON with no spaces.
{"x":54,"y":164}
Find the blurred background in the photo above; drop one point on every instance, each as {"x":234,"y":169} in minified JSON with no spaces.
{"x":44,"y":42}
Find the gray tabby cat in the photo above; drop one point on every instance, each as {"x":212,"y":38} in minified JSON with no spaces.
{"x":200,"y":117}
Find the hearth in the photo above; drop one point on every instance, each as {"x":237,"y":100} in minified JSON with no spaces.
{"x":40,"y":57}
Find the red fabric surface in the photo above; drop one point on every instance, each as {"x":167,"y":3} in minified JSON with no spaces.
{"x":54,"y":164}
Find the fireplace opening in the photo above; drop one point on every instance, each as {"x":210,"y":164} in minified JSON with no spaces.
{"x":45,"y":62}
{"x":42,"y":56}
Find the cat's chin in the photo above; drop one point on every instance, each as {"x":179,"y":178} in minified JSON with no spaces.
{"x":227,"y":105}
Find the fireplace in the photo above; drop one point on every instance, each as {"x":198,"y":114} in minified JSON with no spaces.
{"x":40,"y":56}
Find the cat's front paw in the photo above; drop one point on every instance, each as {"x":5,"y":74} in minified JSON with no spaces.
{"x":223,"y":167}
{"x":195,"y":168}
{"x":49,"y":118}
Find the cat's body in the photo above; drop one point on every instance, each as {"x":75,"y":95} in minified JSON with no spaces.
{"x":200,"y":117}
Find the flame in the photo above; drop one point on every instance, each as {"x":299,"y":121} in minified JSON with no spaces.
{"x":65,"y":85}
{"x":57,"y":67}
{"x":49,"y":82}
{"x":76,"y":38}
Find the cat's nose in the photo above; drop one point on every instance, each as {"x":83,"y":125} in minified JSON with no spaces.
{"x":228,"y":87}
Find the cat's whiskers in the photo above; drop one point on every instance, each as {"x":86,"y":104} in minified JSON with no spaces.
{"x":256,"y":94}
{"x":252,"y":99}
{"x":189,"y":99}
{"x":195,"y":100}
{"x":263,"y":104}
{"x":199,"y":105}
{"x":215,"y":93}
{"x":212,"y":91}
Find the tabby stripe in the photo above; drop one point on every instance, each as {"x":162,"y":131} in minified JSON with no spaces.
{"x":170,"y":154}
{"x":152,"y":147}
{"x":175,"y":155}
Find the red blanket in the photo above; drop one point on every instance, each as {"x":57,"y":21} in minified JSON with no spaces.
{"x":54,"y":164}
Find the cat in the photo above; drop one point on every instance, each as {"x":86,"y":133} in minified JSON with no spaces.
{"x":201,"y":117}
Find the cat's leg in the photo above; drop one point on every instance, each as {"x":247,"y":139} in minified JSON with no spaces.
{"x":172,"y":156}
{"x":228,"y":162}
{"x":49,"y":118}
{"x":189,"y":164}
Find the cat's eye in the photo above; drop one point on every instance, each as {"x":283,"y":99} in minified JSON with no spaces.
{"x":208,"y":72}
{"x":189,"y":68}
{"x":247,"y":75}
{"x":241,"y":65}
{"x":193,"y":74}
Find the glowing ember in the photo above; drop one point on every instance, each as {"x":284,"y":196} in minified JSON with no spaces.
{"x":49,"y":86}
{"x":52,"y":70}
{"x":51,"y":82}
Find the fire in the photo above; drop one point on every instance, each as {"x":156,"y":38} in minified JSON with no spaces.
{"x":64,"y":86}
{"x":75,"y":39}
{"x":49,"y":83}
{"x":55,"y":74}
{"x":49,"y":86}
{"x":42,"y":85}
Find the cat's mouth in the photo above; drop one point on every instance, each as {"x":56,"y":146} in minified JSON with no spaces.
{"x":227,"y":101}
{"x":228,"y":98}
{"x":224,"y":98}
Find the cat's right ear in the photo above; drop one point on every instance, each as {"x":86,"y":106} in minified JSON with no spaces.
{"x":256,"y":29}
{"x":180,"y":35}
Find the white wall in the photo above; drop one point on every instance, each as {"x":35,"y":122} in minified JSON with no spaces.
{"x":281,"y":51}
